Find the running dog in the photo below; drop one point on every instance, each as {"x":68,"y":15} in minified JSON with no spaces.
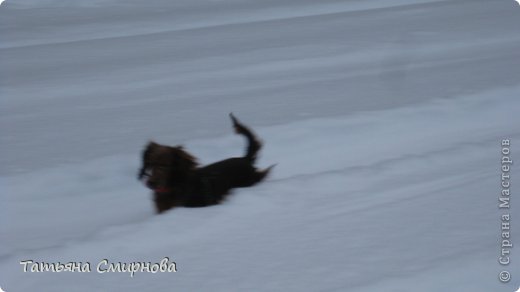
{"x":176,"y":180}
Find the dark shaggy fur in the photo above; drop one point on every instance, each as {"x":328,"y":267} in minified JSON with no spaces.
{"x":173,"y":174}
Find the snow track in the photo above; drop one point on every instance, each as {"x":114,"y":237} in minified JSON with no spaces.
{"x":354,"y":205}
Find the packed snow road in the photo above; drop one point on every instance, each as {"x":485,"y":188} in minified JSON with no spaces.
{"x":385,"y":119}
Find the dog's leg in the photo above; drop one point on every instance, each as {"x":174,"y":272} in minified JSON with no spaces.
{"x":260,"y":175}
{"x":256,"y":176}
{"x":162,"y":203}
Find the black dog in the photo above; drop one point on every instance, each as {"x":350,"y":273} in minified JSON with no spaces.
{"x":173,"y":175}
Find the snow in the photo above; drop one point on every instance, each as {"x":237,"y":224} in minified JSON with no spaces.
{"x":385,"y":119}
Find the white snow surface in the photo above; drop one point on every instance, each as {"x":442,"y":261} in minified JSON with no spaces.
{"x":385,"y":119}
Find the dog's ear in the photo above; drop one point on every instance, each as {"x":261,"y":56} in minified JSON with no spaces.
{"x":151,"y":146}
{"x":181,"y":160}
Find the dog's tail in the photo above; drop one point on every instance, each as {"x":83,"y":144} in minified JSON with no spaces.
{"x":254,"y":145}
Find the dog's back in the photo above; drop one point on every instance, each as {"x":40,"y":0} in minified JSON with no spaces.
{"x":233,"y":172}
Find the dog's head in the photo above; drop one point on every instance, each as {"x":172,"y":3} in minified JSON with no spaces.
{"x":164,"y":166}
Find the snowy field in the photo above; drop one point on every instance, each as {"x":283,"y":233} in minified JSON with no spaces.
{"x":385,"y":119}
